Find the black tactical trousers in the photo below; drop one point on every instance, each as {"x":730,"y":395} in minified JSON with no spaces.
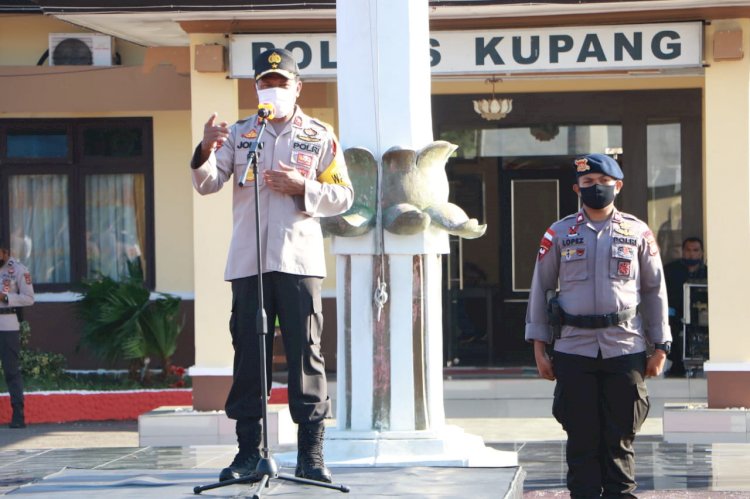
{"x":678,"y":366}
{"x":10,"y":349}
{"x":297,"y":302}
{"x":601,"y":404}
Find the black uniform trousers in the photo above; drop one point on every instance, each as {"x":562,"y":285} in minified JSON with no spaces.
{"x":601,"y":404}
{"x":297,"y":302}
{"x":676,"y":355}
{"x":10,"y":350}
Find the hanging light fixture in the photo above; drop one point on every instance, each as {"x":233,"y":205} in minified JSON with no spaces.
{"x":494,"y":108}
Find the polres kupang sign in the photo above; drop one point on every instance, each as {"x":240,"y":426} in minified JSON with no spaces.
{"x":564,"y":49}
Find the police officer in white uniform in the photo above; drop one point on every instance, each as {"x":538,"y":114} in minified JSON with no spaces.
{"x":613,"y":305}
{"x":16,"y":290}
{"x":301,"y":176}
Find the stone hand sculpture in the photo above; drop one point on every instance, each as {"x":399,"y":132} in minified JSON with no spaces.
{"x":415,"y":193}
{"x":360,"y":218}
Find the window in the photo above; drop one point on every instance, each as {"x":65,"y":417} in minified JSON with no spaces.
{"x":538,"y":140}
{"x":664,"y":166}
{"x":77,"y":198}
{"x":27,"y":144}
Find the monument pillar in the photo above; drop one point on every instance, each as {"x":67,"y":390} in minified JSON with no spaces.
{"x":389,"y":285}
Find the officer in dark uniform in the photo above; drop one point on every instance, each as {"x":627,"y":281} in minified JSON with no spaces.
{"x":612,"y":304}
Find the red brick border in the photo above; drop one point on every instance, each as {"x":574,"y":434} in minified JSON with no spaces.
{"x":62,"y":407}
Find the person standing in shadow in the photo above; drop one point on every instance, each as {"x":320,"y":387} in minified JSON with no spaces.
{"x":689,"y":268}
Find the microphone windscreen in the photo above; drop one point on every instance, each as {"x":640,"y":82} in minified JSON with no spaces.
{"x":266,"y":110}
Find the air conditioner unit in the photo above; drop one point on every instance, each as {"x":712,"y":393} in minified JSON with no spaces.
{"x":80,"y":49}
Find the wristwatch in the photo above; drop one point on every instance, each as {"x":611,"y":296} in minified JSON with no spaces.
{"x":666,"y":346}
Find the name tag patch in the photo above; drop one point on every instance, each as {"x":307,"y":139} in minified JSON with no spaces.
{"x":573,"y":241}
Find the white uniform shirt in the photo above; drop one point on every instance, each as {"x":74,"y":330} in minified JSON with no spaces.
{"x":15,"y":280}
{"x":290,"y":231}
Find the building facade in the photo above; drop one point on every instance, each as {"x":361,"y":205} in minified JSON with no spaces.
{"x":93,"y":156}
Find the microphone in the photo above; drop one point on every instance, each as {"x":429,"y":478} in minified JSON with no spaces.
{"x":266,"y":111}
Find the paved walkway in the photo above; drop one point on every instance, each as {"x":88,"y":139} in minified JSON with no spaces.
{"x":663,"y":469}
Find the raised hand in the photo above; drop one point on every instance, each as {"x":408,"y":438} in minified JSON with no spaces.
{"x":214,"y":135}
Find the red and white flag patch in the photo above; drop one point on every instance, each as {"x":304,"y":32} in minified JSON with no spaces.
{"x":546,"y":243}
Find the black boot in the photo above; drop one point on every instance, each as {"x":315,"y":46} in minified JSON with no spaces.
{"x":310,"y":463}
{"x":17,"y":421}
{"x":246,"y":460}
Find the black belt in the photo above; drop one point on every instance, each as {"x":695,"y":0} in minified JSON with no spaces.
{"x":7,"y":311}
{"x":599,"y":321}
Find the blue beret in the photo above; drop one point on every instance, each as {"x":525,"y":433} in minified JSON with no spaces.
{"x":598,"y":163}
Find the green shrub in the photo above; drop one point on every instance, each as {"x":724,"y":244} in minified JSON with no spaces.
{"x":36,"y":364}
{"x":120,"y":322}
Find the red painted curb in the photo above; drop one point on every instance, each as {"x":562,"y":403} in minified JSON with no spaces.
{"x":64,"y":407}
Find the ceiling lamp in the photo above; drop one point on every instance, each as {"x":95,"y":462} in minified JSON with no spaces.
{"x":494,"y":108}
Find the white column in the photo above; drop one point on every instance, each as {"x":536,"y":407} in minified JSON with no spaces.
{"x":433,"y":286}
{"x":212,"y":231}
{"x":390,"y":406}
{"x":402,"y":403}
{"x":361,"y":379}
{"x":727,"y":127}
{"x":384,"y":82}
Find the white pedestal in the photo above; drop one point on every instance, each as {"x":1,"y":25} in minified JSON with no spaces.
{"x":178,"y":426}
{"x":697,"y":424}
{"x":450,"y":446}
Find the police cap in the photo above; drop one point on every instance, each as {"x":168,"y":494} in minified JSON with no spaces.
{"x":598,"y":163}
{"x":277,"y":61}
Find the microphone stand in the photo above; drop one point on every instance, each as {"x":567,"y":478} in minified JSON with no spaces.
{"x":267,"y":468}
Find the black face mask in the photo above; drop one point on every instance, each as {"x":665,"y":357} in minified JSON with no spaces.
{"x":598,"y":196}
{"x":691,"y":262}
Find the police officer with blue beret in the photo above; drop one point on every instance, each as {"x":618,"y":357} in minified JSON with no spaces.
{"x":610,"y":310}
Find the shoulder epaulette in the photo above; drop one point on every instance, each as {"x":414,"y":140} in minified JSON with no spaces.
{"x":321,"y":124}
{"x":572,"y":215}
{"x":629,"y":216}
